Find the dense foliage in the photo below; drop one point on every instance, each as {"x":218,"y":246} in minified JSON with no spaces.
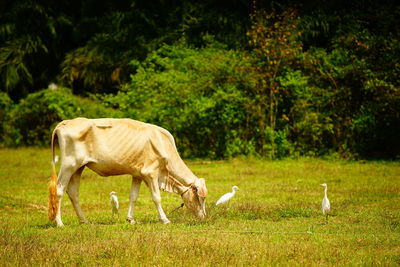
{"x":227,"y":78}
{"x":30,"y":122}
{"x":201,"y":95}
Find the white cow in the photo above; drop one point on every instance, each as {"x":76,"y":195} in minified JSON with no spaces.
{"x":116,"y":147}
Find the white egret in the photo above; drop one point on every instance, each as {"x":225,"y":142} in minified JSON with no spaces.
{"x":114,"y":203}
{"x":326,"y":205}
{"x":225,"y":198}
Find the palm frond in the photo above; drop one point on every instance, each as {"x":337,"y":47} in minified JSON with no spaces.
{"x":13,"y":67}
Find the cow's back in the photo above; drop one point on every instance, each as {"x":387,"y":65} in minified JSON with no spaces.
{"x":108,"y":146}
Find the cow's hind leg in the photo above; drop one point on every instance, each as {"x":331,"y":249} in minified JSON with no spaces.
{"x":132,"y":199}
{"x":73,"y":193}
{"x":156,"y":195}
{"x":63,"y":179}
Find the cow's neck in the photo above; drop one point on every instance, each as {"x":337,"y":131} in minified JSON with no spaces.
{"x":181,"y":176}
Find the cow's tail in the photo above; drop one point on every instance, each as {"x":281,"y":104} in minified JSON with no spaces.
{"x":53,"y":199}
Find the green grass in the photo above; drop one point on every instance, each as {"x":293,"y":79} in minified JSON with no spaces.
{"x":274,"y":219}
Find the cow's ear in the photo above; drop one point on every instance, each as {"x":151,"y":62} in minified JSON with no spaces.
{"x":201,"y":187}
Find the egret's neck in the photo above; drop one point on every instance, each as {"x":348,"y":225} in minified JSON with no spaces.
{"x":326,"y":190}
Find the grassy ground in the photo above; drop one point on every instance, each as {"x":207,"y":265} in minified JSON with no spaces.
{"x":274,"y":219}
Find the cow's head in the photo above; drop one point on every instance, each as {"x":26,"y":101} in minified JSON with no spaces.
{"x":195,"y":198}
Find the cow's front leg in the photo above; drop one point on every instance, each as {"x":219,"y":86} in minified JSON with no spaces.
{"x":132,"y":199}
{"x":156,"y":195}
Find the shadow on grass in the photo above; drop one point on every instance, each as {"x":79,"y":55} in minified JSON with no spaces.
{"x":47,"y":225}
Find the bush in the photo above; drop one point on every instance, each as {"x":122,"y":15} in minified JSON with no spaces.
{"x":6,"y":105}
{"x":340,"y":103}
{"x":31,"y":121}
{"x":197,"y":94}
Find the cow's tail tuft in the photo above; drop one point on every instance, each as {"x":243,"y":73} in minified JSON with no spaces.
{"x":53,"y":199}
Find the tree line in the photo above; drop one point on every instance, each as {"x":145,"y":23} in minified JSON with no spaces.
{"x":227,"y":78}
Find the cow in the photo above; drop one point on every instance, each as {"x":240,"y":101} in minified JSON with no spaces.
{"x":121,"y":146}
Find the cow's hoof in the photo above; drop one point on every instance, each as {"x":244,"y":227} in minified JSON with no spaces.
{"x":132,"y":221}
{"x":166,"y":221}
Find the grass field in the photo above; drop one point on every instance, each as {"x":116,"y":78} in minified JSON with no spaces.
{"x":274,"y":219}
